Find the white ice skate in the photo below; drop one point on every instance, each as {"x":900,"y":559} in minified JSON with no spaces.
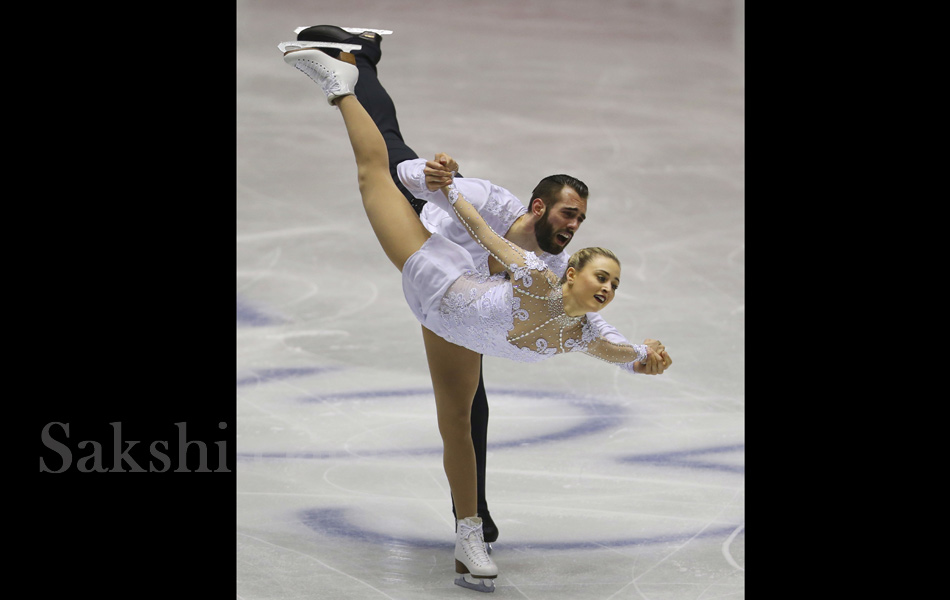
{"x":355,"y":30}
{"x":337,"y":77}
{"x":471,"y":559}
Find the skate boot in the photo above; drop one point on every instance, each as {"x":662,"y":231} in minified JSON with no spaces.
{"x":369,"y":39}
{"x":336,"y":76}
{"x":489,"y":529}
{"x":471,"y":559}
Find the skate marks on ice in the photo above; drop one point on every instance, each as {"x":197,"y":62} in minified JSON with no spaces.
{"x":574,"y":417}
{"x":310,"y":557}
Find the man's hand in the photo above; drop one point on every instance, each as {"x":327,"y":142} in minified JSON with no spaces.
{"x":658,"y":360}
{"x":440,"y":171}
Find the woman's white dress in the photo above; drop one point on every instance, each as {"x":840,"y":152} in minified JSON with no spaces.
{"x":518,"y":316}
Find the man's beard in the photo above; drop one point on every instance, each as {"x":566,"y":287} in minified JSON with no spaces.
{"x":544,"y":233}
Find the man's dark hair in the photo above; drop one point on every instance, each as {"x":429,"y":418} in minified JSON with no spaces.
{"x":548,"y":188}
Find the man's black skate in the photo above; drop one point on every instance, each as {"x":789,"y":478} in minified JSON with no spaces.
{"x":488,"y":526}
{"x":489,"y":530}
{"x":369,"y":40}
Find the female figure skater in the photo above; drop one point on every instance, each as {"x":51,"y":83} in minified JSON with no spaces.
{"x":525,"y":313}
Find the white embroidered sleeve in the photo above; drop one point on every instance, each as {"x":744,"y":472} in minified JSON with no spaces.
{"x":622,"y":355}
{"x":410,"y":173}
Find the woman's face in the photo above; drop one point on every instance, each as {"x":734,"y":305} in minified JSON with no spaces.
{"x":595,"y":285}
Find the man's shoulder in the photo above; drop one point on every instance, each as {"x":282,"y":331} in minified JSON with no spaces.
{"x":556,"y":262}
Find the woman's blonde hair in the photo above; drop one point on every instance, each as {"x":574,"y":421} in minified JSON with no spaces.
{"x":583,"y":256}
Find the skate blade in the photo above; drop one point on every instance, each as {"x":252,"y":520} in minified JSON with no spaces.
{"x":354,"y":30}
{"x":475,"y":583}
{"x":286,"y":47}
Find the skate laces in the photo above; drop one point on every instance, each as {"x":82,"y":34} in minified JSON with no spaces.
{"x":321,"y":75}
{"x":477,"y":546}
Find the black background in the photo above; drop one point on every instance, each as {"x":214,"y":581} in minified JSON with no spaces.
{"x":121,"y":263}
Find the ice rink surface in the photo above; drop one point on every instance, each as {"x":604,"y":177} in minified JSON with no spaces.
{"x":603,"y":485}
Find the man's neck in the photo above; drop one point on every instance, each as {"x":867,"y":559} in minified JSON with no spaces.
{"x":521,"y":233}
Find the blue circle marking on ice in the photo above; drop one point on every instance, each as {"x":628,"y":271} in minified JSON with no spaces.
{"x":596,"y":416}
{"x":250,"y":316}
{"x":262,"y":376}
{"x":690,"y":458}
{"x":333,"y":522}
